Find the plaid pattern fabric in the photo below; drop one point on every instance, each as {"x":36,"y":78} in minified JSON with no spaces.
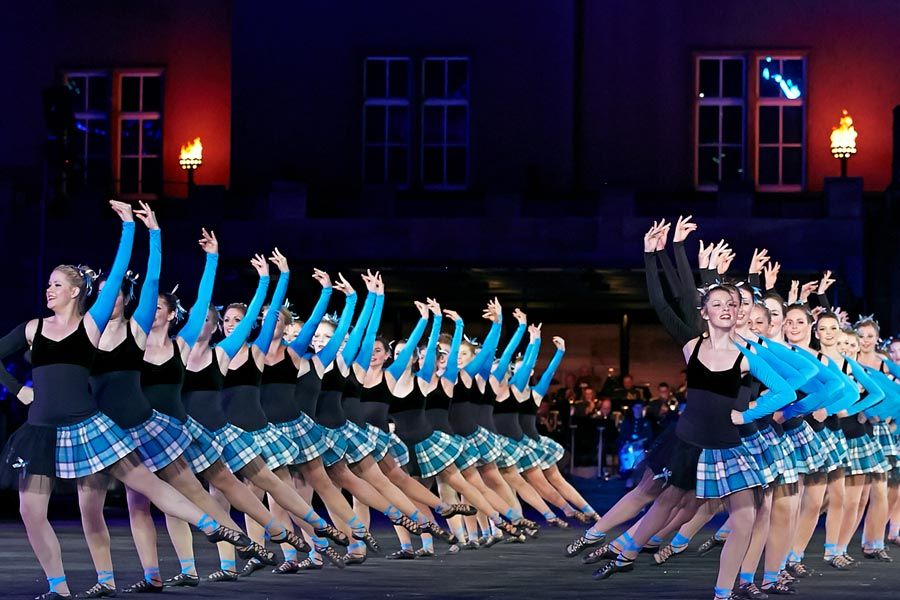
{"x":882,"y":433}
{"x":380,"y":439}
{"x":762,"y":454}
{"x":864,"y":456}
{"x":790,"y":473}
{"x":835,"y":455}
{"x":809,"y":456}
{"x":510,"y":452}
{"x":276,"y":448}
{"x":204,"y":450}
{"x":160,"y":440}
{"x":336,"y":443}
{"x":437,"y":452}
{"x":399,"y":451}
{"x":553,"y":451}
{"x":238,"y":447}
{"x":531,"y":458}
{"x":89,"y":446}
{"x":841,"y":441}
{"x":724,"y":471}
{"x":359,"y":444}
{"x":307,"y":435}
{"x":487,"y":446}
{"x":469,"y":456}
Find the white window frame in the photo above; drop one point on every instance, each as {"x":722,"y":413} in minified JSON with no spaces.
{"x":445,"y":103}
{"x":387,"y":102}
{"x":719,"y":102}
{"x":91,"y":115}
{"x":780,"y":102}
{"x":120,"y":116}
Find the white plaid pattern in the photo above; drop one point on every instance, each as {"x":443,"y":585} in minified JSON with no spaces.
{"x":90,"y":446}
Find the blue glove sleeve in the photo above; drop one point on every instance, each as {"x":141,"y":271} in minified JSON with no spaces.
{"x":267,"y":329}
{"x":146,"y":308}
{"x":848,"y":394}
{"x":191,"y":330}
{"x":233,"y":342}
{"x":503,"y":365}
{"x":329,"y":352}
{"x":523,"y":374}
{"x":427,"y":370}
{"x":368,"y":344}
{"x":487,"y":350}
{"x":780,"y":393}
{"x":402,"y":360}
{"x":300,"y":345}
{"x":544,"y":384}
{"x":351,"y":348}
{"x":103,"y":306}
{"x":452,"y":369}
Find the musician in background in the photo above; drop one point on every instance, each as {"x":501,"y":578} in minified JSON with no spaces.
{"x":635,"y":434}
{"x":604,"y":417}
{"x":662,"y":411}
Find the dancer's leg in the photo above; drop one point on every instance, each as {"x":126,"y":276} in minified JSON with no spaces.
{"x":91,"y":498}
{"x":34,"y":497}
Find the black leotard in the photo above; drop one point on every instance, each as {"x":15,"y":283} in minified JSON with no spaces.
{"x":240,"y":396}
{"x":350,"y":400}
{"x":506,"y":417}
{"x":463,"y":418}
{"x":375,"y":404}
{"x":61,"y":372}
{"x":437,"y":409}
{"x":408,"y":414}
{"x":116,"y":383}
{"x":329,"y":412}
{"x":278,"y":392}
{"x":162,"y":385}
{"x":202,"y":395}
{"x":706,"y":422}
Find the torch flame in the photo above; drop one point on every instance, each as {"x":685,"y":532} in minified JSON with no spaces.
{"x":191,"y":155}
{"x":843,"y":137}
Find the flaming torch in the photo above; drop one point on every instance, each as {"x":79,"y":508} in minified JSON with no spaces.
{"x":190,"y":159}
{"x":843,"y":141}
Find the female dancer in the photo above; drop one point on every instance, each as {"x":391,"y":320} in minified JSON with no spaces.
{"x":66,"y":436}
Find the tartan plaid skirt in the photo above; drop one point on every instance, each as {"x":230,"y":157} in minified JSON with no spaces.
{"x":238,"y":446}
{"x":276,"y":448}
{"x":510,"y":452}
{"x":204,"y":450}
{"x":809,"y":456}
{"x":470,"y":455}
{"x":359,"y":444}
{"x":768,"y":458}
{"x":835,"y":448}
{"x":724,"y":471}
{"x":399,"y":450}
{"x":882,"y":434}
{"x":307,"y":435}
{"x":381,"y":440}
{"x":160,"y":440}
{"x":790,"y":474}
{"x":531,"y":458}
{"x":864,"y":456}
{"x":487,"y":446}
{"x":553,"y":451}
{"x":437,"y":452}
{"x":336,"y":443}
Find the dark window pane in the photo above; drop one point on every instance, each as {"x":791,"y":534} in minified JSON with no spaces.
{"x":130,"y":133}
{"x":376,"y":78}
{"x":433,"y":126}
{"x":708,"y":131}
{"x":793,"y":72}
{"x":732,"y":161}
{"x":792,"y":166}
{"x":78,"y":90}
{"x":707,"y":165}
{"x":398,"y":72}
{"x":733,"y":78}
{"x":434,"y":79}
{"x":152,"y":101}
{"x":151,"y":176}
{"x":792,"y":124}
{"x":374,"y":165}
{"x":709,"y":78}
{"x":375,"y":116}
{"x":398,"y":166}
{"x":98,"y":94}
{"x":128,"y":177}
{"x":433,"y":166}
{"x":768,"y":166}
{"x":768,"y":86}
{"x":456,"y":166}
{"x":458,"y":79}
{"x":768,"y":124}
{"x":98,"y":137}
{"x":131,"y":94}
{"x":457,"y":124}
{"x":77,"y":138}
{"x":732,"y":124}
{"x":398,"y":125}
{"x":152,"y":143}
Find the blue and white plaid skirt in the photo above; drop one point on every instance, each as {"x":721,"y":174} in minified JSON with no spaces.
{"x":790,"y":474}
{"x":553,"y":451}
{"x":487,"y":445}
{"x":765,"y":456}
{"x":381,"y":440}
{"x":835,"y":451}
{"x":864,"y":456}
{"x":882,"y":433}
{"x":399,"y":450}
{"x":276,"y":448}
{"x":437,"y":452}
{"x":724,"y":471}
{"x":204,"y":450}
{"x":510,"y":452}
{"x":160,"y":440}
{"x":89,"y":446}
{"x":809,"y":455}
{"x":238,"y":446}
{"x":307,"y":435}
{"x":469,"y":456}
{"x":531,"y":458}
{"x":336,"y":443}
{"x":359,"y":444}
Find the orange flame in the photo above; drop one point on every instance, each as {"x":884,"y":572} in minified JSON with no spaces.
{"x":191,"y":155}
{"x":843,"y":137}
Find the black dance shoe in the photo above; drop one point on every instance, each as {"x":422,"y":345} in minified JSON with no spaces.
{"x":98,"y":590}
{"x":221,"y":576}
{"x":294,"y":540}
{"x":366,"y":537}
{"x":620,"y":564}
{"x":576,"y":547}
{"x":253,"y":565}
{"x":401,"y":555}
{"x":332,"y":533}
{"x":182,"y":580}
{"x":144,"y":587}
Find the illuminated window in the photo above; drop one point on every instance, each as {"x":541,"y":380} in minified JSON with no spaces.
{"x":89,"y":140}
{"x":781,"y":131}
{"x":138,"y":100}
{"x":445,"y":123}
{"x":386,"y":121}
{"x":720,"y":119}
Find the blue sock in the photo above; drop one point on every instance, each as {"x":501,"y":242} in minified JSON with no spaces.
{"x":315,"y":520}
{"x":460,"y":533}
{"x":746,"y":578}
{"x":473,"y":537}
{"x":269,"y":526}
{"x":315,"y":557}
{"x":655,"y":541}
{"x":879,"y":545}
{"x":569,"y":510}
{"x":792,"y":557}
{"x":442,"y":507}
{"x":418,"y":517}
{"x":628,"y":543}
{"x":392,"y":512}
{"x":356,"y":548}
{"x":841,"y":550}
{"x":319,"y":543}
{"x":105,"y":576}
{"x":227,"y":565}
{"x":512,"y":515}
{"x":830,"y":550}
{"x":680,"y":542}
{"x":783,"y":564}
{"x":151,"y":575}
{"x":290,"y":554}
{"x":55,"y":582}
{"x":494,"y":529}
{"x":722,"y":592}
{"x":427,"y":543}
{"x":548,"y":515}
{"x":188,"y":566}
{"x":207,"y":524}
{"x":769,"y":577}
{"x":591,"y":535}
{"x":406,"y":547}
{"x":588,"y":510}
{"x":356,"y":525}
{"x":722,"y":533}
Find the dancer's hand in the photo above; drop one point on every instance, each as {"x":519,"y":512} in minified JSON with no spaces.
{"x":808,"y":288}
{"x":794,"y":292}
{"x":683,"y":228}
{"x":825,"y":283}
{"x":820,"y":415}
{"x":379,"y":283}
{"x":422,"y":308}
{"x":561,"y":343}
{"x":704,"y":255}
{"x":452,"y":315}
{"x":520,"y":317}
{"x":434,"y":307}
{"x":758,"y":261}
{"x":208,"y":241}
{"x":146,"y":215}
{"x":650,"y":237}
{"x":770,"y":274}
{"x":725,"y":262}
{"x":737,"y":417}
{"x":322,"y":277}
{"x":278,"y":259}
{"x":344,"y":286}
{"x":662,"y":236}
{"x":778,"y":416}
{"x":369,"y":279}
{"x":259,"y":263}
{"x":26,"y":395}
{"x":534,"y":331}
{"x":123,"y":209}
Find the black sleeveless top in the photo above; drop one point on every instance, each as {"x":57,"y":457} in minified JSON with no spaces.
{"x":350,"y":400}
{"x":375,"y":403}
{"x":329,"y":411}
{"x":278,"y":391}
{"x":706,"y":422}
{"x":60,"y":373}
{"x":437,"y":407}
{"x":202,"y":395}
{"x":528,"y":418}
{"x":463,"y":419}
{"x":484,"y":406}
{"x":850,"y":425}
{"x":506,"y":417}
{"x":240,"y":396}
{"x":408,"y":414}
{"x":162,"y":385}
{"x":116,"y":383}
{"x":749,"y":391}
{"x":307,"y":391}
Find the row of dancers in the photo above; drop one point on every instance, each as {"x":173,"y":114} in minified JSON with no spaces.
{"x":790,"y":413}
{"x":322,"y":406}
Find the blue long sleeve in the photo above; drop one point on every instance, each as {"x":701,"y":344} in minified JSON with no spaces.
{"x":544,"y":384}
{"x":102,"y":308}
{"x":804,"y":368}
{"x":397,"y":367}
{"x":874,"y":393}
{"x":452,"y":369}
{"x":301,"y":342}
{"x":329,"y":352}
{"x":267,"y":329}
{"x":487,"y":350}
{"x":523,"y":373}
{"x":500,"y":370}
{"x":364,"y":357}
{"x":893,"y":367}
{"x":427,"y":370}
{"x":351,"y":348}
{"x":191,"y":330}
{"x":233,"y":342}
{"x":848,"y":394}
{"x":889,"y":406}
{"x":787,"y":372}
{"x":146,"y":308}
{"x":780,"y":392}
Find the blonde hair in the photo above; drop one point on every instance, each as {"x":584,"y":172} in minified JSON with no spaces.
{"x":81,"y":278}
